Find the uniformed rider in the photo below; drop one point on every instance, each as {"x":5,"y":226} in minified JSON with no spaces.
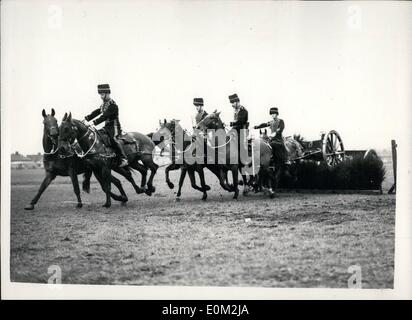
{"x":109,"y":112}
{"x":240,"y":114}
{"x":201,"y":113}
{"x":240,"y":121}
{"x":276,"y":126}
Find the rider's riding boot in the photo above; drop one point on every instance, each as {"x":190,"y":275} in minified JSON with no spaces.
{"x":123,"y":157}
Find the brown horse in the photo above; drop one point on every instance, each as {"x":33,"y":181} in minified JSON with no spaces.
{"x":229,"y":149}
{"x":63,"y":162}
{"x":259,"y":169}
{"x":167,"y":135}
{"x":102,"y":159}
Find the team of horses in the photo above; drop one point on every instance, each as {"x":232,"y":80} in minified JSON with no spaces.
{"x":76,"y":147}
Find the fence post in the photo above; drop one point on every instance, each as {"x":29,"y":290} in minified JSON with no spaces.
{"x":393,"y":188}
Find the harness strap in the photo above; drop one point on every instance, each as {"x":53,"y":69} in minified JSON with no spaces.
{"x":91,"y":147}
{"x":222,"y":145}
{"x":52,"y":152}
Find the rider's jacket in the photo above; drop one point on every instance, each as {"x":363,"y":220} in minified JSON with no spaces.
{"x":110,"y":115}
{"x":240,"y":119}
{"x":276,"y":126}
{"x":200,"y":116}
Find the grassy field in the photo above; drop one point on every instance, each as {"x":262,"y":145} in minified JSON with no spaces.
{"x":294,"y":240}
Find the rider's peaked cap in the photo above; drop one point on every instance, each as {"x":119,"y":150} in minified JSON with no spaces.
{"x":198,"y":101}
{"x":103,"y":88}
{"x":273,"y":110}
{"x":234,"y":98}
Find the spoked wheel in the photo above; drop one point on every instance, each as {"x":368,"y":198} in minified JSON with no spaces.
{"x":332,"y":148}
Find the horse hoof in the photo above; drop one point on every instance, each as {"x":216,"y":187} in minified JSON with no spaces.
{"x":170,"y":185}
{"x":148,"y":192}
{"x":207,"y":188}
{"x":204,"y":197}
{"x":272,"y":195}
{"x":139,"y":190}
{"x":236,"y":195}
{"x":106,"y":205}
{"x":153,"y":189}
{"x":123,"y":203}
{"x":87,"y":190}
{"x":177,"y":199}
{"x":29,"y":207}
{"x":79,"y":205}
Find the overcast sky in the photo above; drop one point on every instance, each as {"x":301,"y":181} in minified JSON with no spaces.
{"x":343,"y":66}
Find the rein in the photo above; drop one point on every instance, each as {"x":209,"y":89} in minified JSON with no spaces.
{"x":222,"y":145}
{"x":53,"y":151}
{"x":83,"y":154}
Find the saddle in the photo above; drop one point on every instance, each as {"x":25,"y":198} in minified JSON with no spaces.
{"x":125,"y":139}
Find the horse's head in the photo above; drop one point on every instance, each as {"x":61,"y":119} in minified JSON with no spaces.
{"x":211,"y":121}
{"x":263,"y":134}
{"x":68,"y":130}
{"x":169,"y":130}
{"x":50,"y":125}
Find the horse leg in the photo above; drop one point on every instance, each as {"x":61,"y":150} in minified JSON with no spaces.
{"x":153,"y":169}
{"x":275,"y":180}
{"x":271,"y":182}
{"x":128,"y":175}
{"x":235,"y":182}
{"x":202,"y":176}
{"x":123,"y":197}
{"x":143,"y":171}
{"x":75,"y":182}
{"x":86,"y":180}
{"x":223,"y":181}
{"x":101,"y":176}
{"x":193,"y":179}
{"x":245,"y":185}
{"x":106,"y":177}
{"x":170,"y":167}
{"x":46,"y":181}
{"x":181,"y":180}
{"x":203,"y":183}
{"x":231,"y":188}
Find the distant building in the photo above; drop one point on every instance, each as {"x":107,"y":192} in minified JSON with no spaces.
{"x":19,"y":161}
{"x":37,"y":158}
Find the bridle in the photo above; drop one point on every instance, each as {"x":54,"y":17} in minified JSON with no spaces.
{"x":83,"y":154}
{"x":53,"y":151}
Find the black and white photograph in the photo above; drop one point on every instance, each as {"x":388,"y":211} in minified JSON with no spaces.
{"x":234,"y":145}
